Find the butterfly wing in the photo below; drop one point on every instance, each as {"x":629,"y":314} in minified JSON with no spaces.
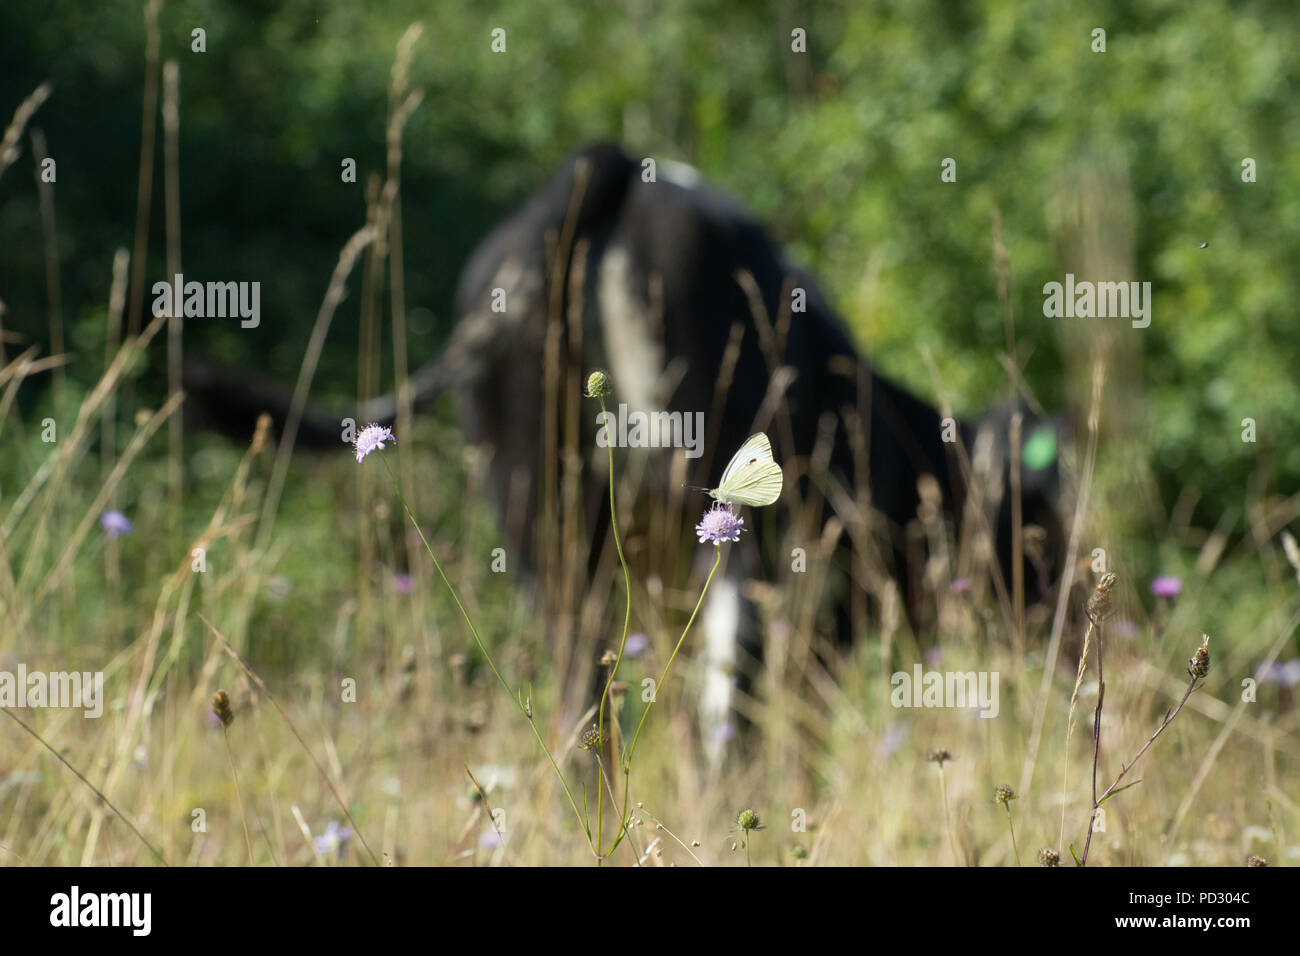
{"x":752,"y":477}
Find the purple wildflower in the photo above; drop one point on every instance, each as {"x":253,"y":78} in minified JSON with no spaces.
{"x":1166,"y":586}
{"x":334,"y":840}
{"x":722,"y":733}
{"x":1123,"y":627}
{"x":115,"y":524}
{"x":719,"y":524}
{"x":891,"y":739}
{"x":636,"y":645}
{"x":960,"y":585}
{"x":372,"y":438}
{"x":402,"y":583}
{"x":1287,"y":673}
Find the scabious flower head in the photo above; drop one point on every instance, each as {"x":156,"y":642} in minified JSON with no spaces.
{"x":1166,"y":586}
{"x":719,"y":524}
{"x":960,"y":585}
{"x":1047,"y":856}
{"x":598,"y":384}
{"x":402,"y":583}
{"x":333,"y":840}
{"x":115,"y":523}
{"x":1004,"y":795}
{"x":748,"y":820}
{"x":372,"y":438}
{"x":636,"y":645}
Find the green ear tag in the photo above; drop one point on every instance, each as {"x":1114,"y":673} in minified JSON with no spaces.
{"x":1040,"y":450}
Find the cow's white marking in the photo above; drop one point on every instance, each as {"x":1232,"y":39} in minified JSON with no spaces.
{"x":634,"y":355}
{"x":680,"y":174}
{"x":721,"y":633}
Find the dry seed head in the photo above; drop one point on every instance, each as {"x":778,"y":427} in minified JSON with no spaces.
{"x":1004,"y":795}
{"x":1256,"y":861}
{"x":1198,"y":665}
{"x":221,"y":707}
{"x":590,"y":739}
{"x":939,"y":755}
{"x":1048,"y":857}
{"x":1099,"y":605}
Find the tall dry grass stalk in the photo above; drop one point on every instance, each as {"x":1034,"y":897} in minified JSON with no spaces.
{"x":261,"y":686}
{"x":1077,"y":523}
{"x":13,"y":134}
{"x":176,"y":323}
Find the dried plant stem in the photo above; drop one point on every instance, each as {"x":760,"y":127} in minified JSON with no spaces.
{"x":487,"y":807}
{"x":108,"y":803}
{"x":1011,"y":824}
{"x":627,"y":621}
{"x":243,"y":815}
{"x":1069,"y":726}
{"x":14,"y":131}
{"x":658,"y":687}
{"x":947,"y":817}
{"x":1097,"y":801}
{"x":525,"y":709}
{"x":1067,"y":581}
{"x":261,"y":685}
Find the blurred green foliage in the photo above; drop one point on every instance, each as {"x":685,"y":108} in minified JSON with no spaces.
{"x":838,"y":150}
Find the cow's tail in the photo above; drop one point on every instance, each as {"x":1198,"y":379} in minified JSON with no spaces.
{"x":583,"y":197}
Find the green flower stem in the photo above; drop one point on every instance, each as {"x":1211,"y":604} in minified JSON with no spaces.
{"x":627,"y":620}
{"x":526,"y":711}
{"x":631,"y":750}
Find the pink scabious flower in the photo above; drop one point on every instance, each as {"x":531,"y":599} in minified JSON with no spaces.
{"x":372,"y":438}
{"x":960,"y":585}
{"x":719,"y":524}
{"x":115,"y":524}
{"x":1166,"y":586}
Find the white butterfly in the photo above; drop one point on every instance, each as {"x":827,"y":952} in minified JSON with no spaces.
{"x":752,"y":477}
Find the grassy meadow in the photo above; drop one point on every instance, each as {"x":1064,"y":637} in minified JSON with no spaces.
{"x":362,"y":722}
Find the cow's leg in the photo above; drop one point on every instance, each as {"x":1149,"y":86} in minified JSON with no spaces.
{"x":732,"y":640}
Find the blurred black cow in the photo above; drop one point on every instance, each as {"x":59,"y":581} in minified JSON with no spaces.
{"x":679,"y":294}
